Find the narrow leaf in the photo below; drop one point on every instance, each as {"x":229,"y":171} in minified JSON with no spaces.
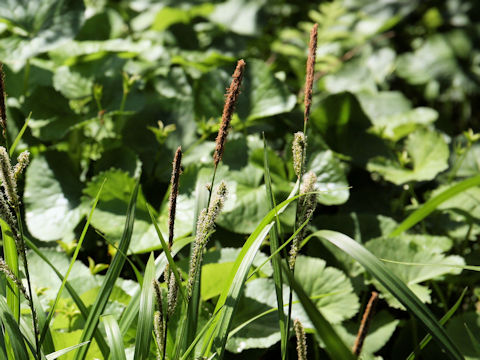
{"x":114,"y":337}
{"x":394,"y":285}
{"x":145,"y":314}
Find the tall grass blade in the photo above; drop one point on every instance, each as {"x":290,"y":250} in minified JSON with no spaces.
{"x":11,"y":258}
{"x":72,"y":262}
{"x":276,"y":260}
{"x":12,"y":329}
{"x":236,"y":279}
{"x":432,"y":204}
{"x":114,"y":338}
{"x":110,"y":278}
{"x":334,"y":345}
{"x":59,"y":353}
{"x":145,"y":313}
{"x":76,"y":298}
{"x":442,"y":321}
{"x":394,"y":285}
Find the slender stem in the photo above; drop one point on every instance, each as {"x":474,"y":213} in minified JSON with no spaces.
{"x":29,"y":284}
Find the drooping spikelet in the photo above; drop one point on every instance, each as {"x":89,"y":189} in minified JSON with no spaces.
{"x":3,"y":109}
{"x":205,"y":224}
{"x":22,"y":162}
{"x":172,"y":205}
{"x":301,"y":340}
{"x":172,"y":294}
{"x":299,"y":150}
{"x":9,"y":274}
{"x":158,"y":324}
{"x":7,"y":177}
{"x":159,"y":333}
{"x":363,"y":330}
{"x":312,"y":51}
{"x":229,"y":107}
{"x":305,"y":208}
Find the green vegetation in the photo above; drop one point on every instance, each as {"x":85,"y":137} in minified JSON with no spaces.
{"x":330,"y":211}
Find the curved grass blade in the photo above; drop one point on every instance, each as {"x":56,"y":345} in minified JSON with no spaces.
{"x":276,"y":259}
{"x":76,"y":298}
{"x":14,"y":334}
{"x":3,"y":348}
{"x":131,"y":311}
{"x":463,"y":267}
{"x":430,"y":206}
{"x":394,"y":285}
{"x":19,"y":136}
{"x":442,"y":321}
{"x":236,"y":279}
{"x":145,"y":313}
{"x":110,"y":278}
{"x":114,"y":337}
{"x":334,"y":345}
{"x":72,"y":262}
{"x":59,"y":353}
{"x":11,"y":258}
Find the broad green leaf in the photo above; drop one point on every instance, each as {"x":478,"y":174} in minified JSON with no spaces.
{"x":392,"y":115}
{"x":52,"y":117}
{"x":45,"y":26}
{"x":71,"y":84}
{"x":52,"y":197}
{"x":239,"y":16}
{"x":428,"y":155}
{"x":395,"y":286}
{"x":43,"y":277}
{"x":415,"y":249}
{"x":334,"y":345}
{"x":380,"y":331}
{"x":168,"y":16}
{"x":329,"y":289}
{"x":435,"y":59}
{"x":331,"y":178}
{"x":343,"y":125}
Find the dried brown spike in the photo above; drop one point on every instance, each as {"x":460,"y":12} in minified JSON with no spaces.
{"x":3,"y":109}
{"x":312,"y":51}
{"x":230,"y":101}
{"x":176,"y":170}
{"x":363,"y":330}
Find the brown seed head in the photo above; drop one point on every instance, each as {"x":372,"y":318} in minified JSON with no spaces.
{"x":230,"y":101}
{"x":363,"y":330}
{"x":177,"y":160}
{"x":301,"y":340}
{"x":3,"y":109}
{"x":312,"y":50}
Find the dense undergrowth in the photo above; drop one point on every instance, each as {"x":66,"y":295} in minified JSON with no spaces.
{"x":376,"y":207}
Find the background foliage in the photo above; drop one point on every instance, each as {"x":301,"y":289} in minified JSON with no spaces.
{"x":111,"y":88}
